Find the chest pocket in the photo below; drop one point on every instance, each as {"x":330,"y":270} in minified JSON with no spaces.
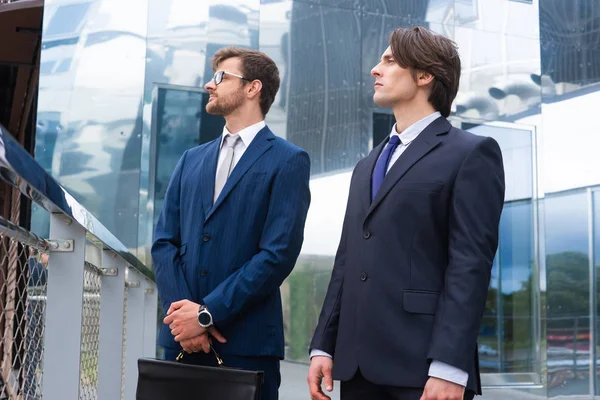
{"x":255,"y":177}
{"x":253,"y":183}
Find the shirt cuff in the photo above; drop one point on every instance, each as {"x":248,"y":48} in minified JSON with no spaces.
{"x":440,"y":370}
{"x":319,"y":353}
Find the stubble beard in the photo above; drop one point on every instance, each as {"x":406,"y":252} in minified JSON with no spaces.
{"x":226,"y":105}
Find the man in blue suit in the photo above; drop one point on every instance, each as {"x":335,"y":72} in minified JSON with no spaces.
{"x":403,"y":309}
{"x":231,"y":228}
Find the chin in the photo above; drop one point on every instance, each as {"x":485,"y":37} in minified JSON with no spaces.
{"x":211,"y":109}
{"x":380,"y":101}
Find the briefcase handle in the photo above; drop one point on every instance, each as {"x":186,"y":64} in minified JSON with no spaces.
{"x":219,"y":360}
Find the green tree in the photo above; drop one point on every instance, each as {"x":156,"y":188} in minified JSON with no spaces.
{"x":568,"y":284}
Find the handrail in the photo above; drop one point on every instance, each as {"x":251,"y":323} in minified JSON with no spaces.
{"x":22,"y":235}
{"x":19,"y":169}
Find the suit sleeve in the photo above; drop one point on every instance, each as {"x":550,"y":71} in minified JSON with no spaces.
{"x":280,"y":244}
{"x":326,"y":331}
{"x":170,"y":280}
{"x":476,"y":205}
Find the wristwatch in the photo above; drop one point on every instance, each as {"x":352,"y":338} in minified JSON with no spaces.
{"x":204,"y":317}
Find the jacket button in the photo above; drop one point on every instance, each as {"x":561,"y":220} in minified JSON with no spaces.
{"x":363,"y":277}
{"x":206,"y":237}
{"x":203,"y":272}
{"x":366,"y":234}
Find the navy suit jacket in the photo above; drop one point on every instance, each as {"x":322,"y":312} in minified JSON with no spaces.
{"x":234,"y":255}
{"x":412,"y":270}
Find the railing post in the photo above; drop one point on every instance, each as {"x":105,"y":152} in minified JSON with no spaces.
{"x":134,"y":343}
{"x":110,"y":351}
{"x":64,"y":311}
{"x":150,"y":310}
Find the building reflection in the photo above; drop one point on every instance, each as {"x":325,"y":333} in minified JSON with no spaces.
{"x":121,"y":98}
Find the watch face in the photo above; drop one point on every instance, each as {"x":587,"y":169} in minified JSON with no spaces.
{"x":204,"y":318}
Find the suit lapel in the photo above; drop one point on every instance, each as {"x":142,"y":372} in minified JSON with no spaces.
{"x":261,"y":143}
{"x":427,"y":140}
{"x":208,"y":172}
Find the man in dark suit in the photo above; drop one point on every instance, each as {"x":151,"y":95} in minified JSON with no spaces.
{"x":402,"y":313}
{"x":231,"y":228}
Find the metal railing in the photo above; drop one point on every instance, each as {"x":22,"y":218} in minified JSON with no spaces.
{"x":64,"y":300}
{"x":23,"y":271}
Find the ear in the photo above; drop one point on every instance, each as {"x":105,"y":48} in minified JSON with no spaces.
{"x":424,"y":78}
{"x":253,"y":88}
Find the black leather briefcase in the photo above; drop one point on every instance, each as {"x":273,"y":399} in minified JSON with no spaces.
{"x":172,"y":380}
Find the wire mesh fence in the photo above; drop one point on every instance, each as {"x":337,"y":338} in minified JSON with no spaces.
{"x":24,"y":272}
{"x":23,"y":284}
{"x":90,"y":332}
{"x":23,"y":295}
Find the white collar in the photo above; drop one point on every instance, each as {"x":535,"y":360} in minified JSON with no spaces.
{"x":247,"y":134}
{"x":411,"y":133}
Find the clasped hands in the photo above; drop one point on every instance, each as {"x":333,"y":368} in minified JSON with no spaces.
{"x":182,"y":318}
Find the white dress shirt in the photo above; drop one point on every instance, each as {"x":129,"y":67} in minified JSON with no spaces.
{"x":247,"y":135}
{"x":437,"y":369}
{"x":408,"y":135}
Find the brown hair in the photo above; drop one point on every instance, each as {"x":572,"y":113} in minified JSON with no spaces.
{"x":255,"y":65}
{"x":420,"y":49}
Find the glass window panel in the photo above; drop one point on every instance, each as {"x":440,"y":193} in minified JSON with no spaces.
{"x":570,"y":52}
{"x":515,"y":18}
{"x":181,"y":123}
{"x":64,"y":65}
{"x":90,"y":110}
{"x":466,"y":11}
{"x":516,"y":260}
{"x":67,"y":19}
{"x":499,"y":75}
{"x":567,"y":270}
{"x":46,"y":67}
{"x":517,"y":154}
{"x":348,"y":4}
{"x":506,"y":340}
{"x":418,"y":11}
{"x":274,"y":40}
{"x":324,"y":86}
{"x":490,"y":340}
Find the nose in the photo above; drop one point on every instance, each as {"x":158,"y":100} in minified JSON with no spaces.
{"x":210,"y":85}
{"x":375,"y":71}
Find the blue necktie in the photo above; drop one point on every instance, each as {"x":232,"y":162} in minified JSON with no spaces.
{"x":382,"y":165}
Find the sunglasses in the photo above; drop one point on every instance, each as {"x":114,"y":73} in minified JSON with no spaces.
{"x":218,"y":77}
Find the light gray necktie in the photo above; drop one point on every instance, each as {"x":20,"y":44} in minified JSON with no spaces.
{"x":230,"y":142}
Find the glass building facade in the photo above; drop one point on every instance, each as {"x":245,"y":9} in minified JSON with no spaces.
{"x":121,"y":98}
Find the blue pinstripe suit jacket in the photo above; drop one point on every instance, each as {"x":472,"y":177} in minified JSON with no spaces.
{"x":234,"y":255}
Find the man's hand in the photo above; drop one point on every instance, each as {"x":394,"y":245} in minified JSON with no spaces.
{"x":202,"y":342}
{"x":196,"y":344}
{"x":439,"y":389}
{"x":320,"y":368}
{"x":182,"y":318}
